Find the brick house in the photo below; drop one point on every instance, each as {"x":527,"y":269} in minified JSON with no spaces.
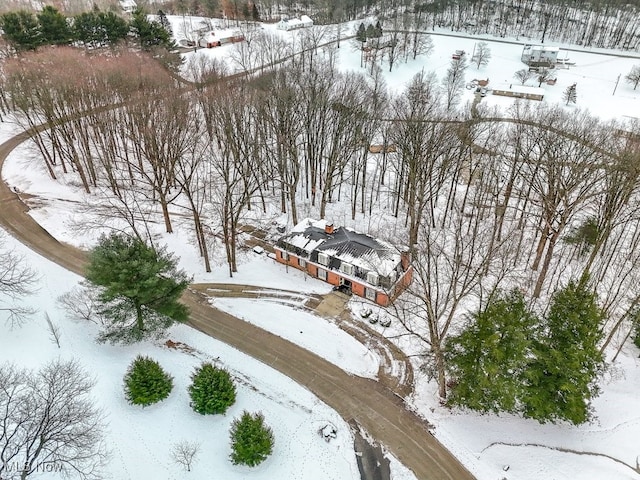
{"x":369,"y":267}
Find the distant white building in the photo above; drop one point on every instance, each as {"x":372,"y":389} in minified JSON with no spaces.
{"x":540,"y":55}
{"x":286,"y":23}
{"x":128,"y":5}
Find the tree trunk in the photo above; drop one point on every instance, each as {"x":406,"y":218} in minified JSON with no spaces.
{"x":545,"y":264}
{"x":139,"y":320}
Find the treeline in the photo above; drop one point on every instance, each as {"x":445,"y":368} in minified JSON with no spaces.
{"x":611,"y":24}
{"x":594,"y":24}
{"x":25,"y":30}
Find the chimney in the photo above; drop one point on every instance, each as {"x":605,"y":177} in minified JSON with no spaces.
{"x":328,"y":228}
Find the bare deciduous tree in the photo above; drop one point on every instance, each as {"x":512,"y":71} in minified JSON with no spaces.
{"x":17,"y":279}
{"x":82,"y":303}
{"x":633,"y":77}
{"x":544,"y":74}
{"x":523,"y":75}
{"x":453,"y":82}
{"x":482,"y":54}
{"x":184,"y":453}
{"x":48,"y":420}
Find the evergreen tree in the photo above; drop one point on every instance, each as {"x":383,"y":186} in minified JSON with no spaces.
{"x":255,"y":14}
{"x":21,"y":29}
{"x":570,"y":95}
{"x":140,"y":288}
{"x":115,"y":27}
{"x":245,"y":10}
{"x":54,"y":29}
{"x":371,"y":31}
{"x":361,"y":33}
{"x":378,"y":29}
{"x":251,"y":440}
{"x":164,"y":21}
{"x":98,"y":28}
{"x":212,"y":390}
{"x":146,"y":382}
{"x":566,"y":358}
{"x":488,"y":358}
{"x":149,"y":33}
{"x":86,"y":28}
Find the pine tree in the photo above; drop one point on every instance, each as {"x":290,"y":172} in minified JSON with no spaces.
{"x":86,"y":28}
{"x":164,"y":21}
{"x":212,"y":390}
{"x":255,"y":14}
{"x":115,"y":28}
{"x":488,"y":358}
{"x":146,"y":383}
{"x":21,"y":29}
{"x":361,"y":33}
{"x":378,"y":29}
{"x":140,"y":288}
{"x":251,"y":440}
{"x":371,"y":31}
{"x":150,"y":34}
{"x":54,"y":29}
{"x":570,"y":95}
{"x":566,"y":359}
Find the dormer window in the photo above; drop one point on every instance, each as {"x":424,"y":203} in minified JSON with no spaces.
{"x":346,"y":268}
{"x":323,"y":259}
{"x":372,"y":278}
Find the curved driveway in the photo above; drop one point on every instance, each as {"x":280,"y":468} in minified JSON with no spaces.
{"x":380,"y":412}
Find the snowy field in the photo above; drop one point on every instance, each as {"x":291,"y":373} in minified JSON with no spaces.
{"x":486,"y":444}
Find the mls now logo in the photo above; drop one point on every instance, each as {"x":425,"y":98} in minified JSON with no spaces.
{"x":42,"y":467}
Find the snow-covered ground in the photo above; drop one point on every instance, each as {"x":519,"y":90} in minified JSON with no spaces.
{"x":305,"y":330}
{"x":595,"y":71}
{"x":486,"y":444}
{"x":141,"y":438}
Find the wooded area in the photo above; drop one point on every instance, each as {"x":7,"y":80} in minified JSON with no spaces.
{"x":528,"y":199}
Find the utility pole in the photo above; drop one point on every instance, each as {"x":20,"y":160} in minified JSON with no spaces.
{"x":616,"y":87}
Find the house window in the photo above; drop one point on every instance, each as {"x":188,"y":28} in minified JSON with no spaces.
{"x":285,"y":256}
{"x":370,"y":294}
{"x":346,"y":268}
{"x":322,"y":274}
{"x":372,"y":278}
{"x":323,"y":259}
{"x":302,"y":263}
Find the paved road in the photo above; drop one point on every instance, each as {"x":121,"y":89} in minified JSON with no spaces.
{"x":371,"y":405}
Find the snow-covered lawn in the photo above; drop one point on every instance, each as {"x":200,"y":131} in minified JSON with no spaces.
{"x":141,"y":438}
{"x":309,"y":331}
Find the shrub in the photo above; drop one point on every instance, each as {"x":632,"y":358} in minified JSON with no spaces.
{"x":251,"y":440}
{"x":212,"y":390}
{"x":146,"y":383}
